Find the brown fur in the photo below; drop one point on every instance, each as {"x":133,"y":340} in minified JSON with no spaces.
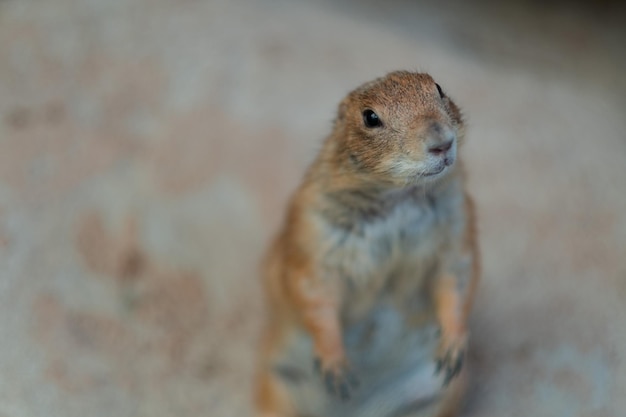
{"x":363,"y":177}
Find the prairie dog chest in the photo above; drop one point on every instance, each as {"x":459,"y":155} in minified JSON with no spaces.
{"x":400,"y":242}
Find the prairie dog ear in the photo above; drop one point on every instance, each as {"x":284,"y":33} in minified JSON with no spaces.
{"x":342,"y":109}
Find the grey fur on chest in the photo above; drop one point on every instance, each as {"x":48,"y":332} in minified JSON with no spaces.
{"x":395,"y":237}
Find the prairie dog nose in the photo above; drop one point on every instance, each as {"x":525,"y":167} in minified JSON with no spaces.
{"x":441,"y":148}
{"x":441,"y":138}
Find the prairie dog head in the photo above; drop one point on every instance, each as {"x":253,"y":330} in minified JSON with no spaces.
{"x":400,"y":129}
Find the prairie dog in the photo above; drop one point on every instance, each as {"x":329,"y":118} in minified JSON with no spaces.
{"x":371,"y":279}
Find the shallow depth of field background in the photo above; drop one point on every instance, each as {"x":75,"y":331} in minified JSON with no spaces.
{"x":147,"y":149}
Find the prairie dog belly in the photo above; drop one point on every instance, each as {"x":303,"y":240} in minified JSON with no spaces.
{"x":393,"y":360}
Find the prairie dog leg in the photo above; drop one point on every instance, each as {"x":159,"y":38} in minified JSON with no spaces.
{"x":449,"y":307}
{"x":271,"y":397}
{"x":321,"y":320}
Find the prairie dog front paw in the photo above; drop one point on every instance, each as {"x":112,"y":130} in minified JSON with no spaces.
{"x":450,"y":355}
{"x":339,"y":379}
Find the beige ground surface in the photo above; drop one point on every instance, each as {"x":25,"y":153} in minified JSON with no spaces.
{"x":147,"y":148}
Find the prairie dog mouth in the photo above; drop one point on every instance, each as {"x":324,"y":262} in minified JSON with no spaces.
{"x":435,"y":172}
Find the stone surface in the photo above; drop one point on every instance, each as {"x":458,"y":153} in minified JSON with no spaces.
{"x":147,"y":149}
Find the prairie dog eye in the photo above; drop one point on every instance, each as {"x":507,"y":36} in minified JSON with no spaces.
{"x":371,"y":119}
{"x":441,"y":94}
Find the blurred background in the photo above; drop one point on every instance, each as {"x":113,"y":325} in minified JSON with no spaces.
{"x":147,"y":149}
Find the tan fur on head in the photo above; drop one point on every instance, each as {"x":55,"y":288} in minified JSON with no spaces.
{"x":414,"y":116}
